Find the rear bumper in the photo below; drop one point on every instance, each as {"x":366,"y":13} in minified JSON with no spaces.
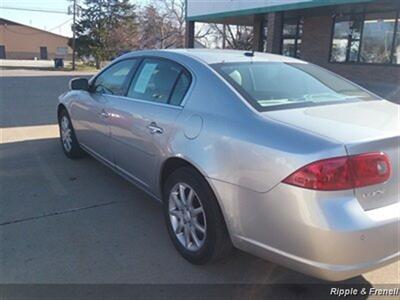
{"x":327,"y":235}
{"x":330,"y":272}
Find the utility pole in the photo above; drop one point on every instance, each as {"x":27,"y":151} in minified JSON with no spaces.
{"x":74,"y":37}
{"x":74,"y":12}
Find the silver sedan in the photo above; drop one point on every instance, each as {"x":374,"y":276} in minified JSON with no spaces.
{"x":269,"y":154}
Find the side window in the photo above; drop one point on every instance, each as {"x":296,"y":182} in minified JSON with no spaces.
{"x":113,"y":80}
{"x":180,"y":89}
{"x":155,"y":81}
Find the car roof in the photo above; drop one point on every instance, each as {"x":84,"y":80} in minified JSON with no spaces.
{"x":215,"y":56}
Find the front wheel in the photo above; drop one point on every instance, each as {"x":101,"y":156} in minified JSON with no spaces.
{"x":194,"y":220}
{"x":68,"y":138}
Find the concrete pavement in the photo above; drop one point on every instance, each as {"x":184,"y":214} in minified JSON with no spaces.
{"x":64,"y":221}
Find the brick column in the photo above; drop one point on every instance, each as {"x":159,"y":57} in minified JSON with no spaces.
{"x":316,"y":40}
{"x":258,"y":29}
{"x":274,"y":36}
{"x":189,"y":34}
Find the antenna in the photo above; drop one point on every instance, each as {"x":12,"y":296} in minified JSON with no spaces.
{"x":250,"y":54}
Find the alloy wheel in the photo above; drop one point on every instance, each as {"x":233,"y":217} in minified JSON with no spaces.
{"x":187,"y":217}
{"x":66,"y":133}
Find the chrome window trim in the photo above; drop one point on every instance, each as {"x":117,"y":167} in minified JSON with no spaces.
{"x":126,"y":98}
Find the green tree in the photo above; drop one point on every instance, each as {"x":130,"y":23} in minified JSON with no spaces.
{"x":105,"y":29}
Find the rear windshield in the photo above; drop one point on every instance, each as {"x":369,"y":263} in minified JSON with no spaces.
{"x":275,"y":85}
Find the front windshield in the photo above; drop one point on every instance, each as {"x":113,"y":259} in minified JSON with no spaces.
{"x":276,"y":85}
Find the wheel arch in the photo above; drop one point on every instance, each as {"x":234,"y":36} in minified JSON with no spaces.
{"x":60,"y":108}
{"x":173,"y":163}
{"x":170,"y":165}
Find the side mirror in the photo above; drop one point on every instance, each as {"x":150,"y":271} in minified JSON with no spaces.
{"x":79,"y":84}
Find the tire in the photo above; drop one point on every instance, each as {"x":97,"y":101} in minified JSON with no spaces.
{"x":69,"y":142}
{"x":215,"y":243}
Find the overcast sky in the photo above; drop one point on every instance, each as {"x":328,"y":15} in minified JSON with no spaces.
{"x":59,"y":23}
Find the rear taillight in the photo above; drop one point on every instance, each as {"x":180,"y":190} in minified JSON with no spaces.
{"x":342,"y":173}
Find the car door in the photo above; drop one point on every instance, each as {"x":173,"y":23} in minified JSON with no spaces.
{"x":143,"y":121}
{"x":91,"y":114}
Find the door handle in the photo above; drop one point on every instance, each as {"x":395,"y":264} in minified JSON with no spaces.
{"x":104,"y":114}
{"x":154,"y":129}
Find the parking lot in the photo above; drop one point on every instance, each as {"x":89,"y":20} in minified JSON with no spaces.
{"x":64,"y":221}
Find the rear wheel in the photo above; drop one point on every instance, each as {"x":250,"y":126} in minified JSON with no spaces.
{"x":68,"y":138}
{"x":194,"y":220}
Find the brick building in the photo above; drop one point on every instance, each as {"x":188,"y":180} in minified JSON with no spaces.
{"x":358,"y":39}
{"x":18,"y":41}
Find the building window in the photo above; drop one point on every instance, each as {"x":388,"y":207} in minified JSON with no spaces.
{"x":291,"y":37}
{"x":265,"y":35}
{"x":396,"y":52}
{"x":366,"y":38}
{"x":346,"y":39}
{"x":378,"y":35}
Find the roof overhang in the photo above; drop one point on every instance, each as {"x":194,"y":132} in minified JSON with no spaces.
{"x":211,"y":11}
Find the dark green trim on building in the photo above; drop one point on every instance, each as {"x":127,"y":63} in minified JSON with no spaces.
{"x":274,"y":8}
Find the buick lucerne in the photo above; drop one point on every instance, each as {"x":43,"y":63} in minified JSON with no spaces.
{"x":269,"y":154}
